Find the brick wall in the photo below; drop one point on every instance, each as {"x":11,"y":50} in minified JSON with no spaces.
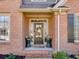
{"x":16,"y":44}
{"x":70,"y":47}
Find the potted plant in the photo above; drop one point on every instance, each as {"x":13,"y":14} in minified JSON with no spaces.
{"x":48,"y":41}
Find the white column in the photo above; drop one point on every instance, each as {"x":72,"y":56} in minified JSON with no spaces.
{"x":58,"y":32}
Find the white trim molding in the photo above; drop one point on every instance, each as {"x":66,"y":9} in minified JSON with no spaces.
{"x":58,"y":32}
{"x":59,"y":41}
{"x":7,"y":38}
{"x":76,"y":27}
{"x":38,"y":0}
{"x":43,"y":10}
{"x":60,"y":3}
{"x":76,"y":41}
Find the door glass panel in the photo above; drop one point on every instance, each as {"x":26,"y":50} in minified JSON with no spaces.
{"x":38,"y":33}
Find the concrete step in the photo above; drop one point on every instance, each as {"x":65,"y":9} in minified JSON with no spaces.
{"x":39,"y":46}
{"x":38,"y":58}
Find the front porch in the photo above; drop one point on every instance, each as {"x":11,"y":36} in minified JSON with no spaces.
{"x":39,"y":30}
{"x":40,"y":25}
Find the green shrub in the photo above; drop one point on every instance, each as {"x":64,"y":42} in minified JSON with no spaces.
{"x":60,"y":55}
{"x":77,"y":57}
{"x":11,"y":56}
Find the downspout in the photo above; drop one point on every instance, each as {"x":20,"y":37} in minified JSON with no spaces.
{"x":60,"y":3}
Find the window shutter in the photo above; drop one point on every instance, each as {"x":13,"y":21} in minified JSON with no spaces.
{"x":70,"y":28}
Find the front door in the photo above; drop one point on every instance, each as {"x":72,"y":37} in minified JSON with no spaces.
{"x":38,"y":33}
{"x":38,"y":29}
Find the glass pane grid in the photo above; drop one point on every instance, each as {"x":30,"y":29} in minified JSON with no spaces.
{"x":76,"y":27}
{"x":4,"y":22}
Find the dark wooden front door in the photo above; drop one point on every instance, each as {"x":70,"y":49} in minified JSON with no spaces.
{"x":38,"y":33}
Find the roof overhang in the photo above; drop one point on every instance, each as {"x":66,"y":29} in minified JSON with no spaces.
{"x":49,"y":10}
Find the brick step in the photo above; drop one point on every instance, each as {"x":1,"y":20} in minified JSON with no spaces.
{"x":38,"y":54}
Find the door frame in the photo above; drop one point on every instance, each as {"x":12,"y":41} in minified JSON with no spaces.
{"x":31,"y":29}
